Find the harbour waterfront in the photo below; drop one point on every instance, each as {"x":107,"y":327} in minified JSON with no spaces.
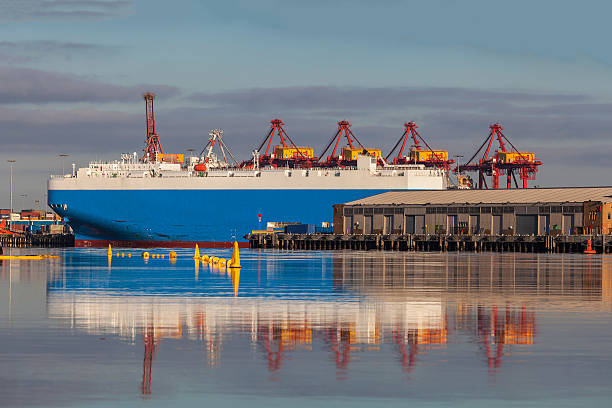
{"x":357,"y":328}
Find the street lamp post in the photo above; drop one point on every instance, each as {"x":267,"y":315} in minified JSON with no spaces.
{"x":11,"y":164}
{"x":62,"y":156}
{"x":23,"y":197}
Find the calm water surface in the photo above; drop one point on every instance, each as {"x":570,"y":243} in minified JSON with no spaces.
{"x":307,"y":329}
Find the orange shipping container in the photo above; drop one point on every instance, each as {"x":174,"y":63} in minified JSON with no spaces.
{"x":428,"y":155}
{"x":512,"y":157}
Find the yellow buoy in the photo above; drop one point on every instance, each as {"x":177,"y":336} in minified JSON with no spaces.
{"x":129,"y":255}
{"x":110,"y":251}
{"x":205,"y":258}
{"x":215,"y":260}
{"x":172,"y":255}
{"x":162,"y":256}
{"x":197,"y":253}
{"x":235,"y":261}
{"x":222,"y":261}
{"x":145,"y":255}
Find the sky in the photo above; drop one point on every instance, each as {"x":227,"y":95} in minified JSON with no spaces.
{"x":72,"y":73}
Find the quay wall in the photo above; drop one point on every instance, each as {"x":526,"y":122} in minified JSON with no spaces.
{"x":36,"y":240}
{"x":431,"y":242}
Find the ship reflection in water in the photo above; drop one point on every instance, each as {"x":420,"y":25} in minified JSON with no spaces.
{"x":343,"y":308}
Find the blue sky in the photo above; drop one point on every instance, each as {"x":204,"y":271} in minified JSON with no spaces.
{"x":72,"y":71}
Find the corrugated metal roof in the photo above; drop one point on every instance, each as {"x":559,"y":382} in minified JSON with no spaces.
{"x":527,"y":195}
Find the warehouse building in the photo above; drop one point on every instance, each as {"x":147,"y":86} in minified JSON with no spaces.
{"x":538,"y":211}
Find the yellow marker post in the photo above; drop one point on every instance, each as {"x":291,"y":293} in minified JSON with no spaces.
{"x":197,"y":253}
{"x":235,"y":261}
{"x":110,"y":251}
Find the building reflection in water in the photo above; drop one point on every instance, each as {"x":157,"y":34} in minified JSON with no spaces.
{"x":407,"y":304}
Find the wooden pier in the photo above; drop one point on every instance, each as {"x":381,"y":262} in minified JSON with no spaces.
{"x":36,"y":240}
{"x":431,"y":242}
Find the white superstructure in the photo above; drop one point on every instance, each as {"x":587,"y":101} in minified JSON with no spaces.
{"x":131,"y":174}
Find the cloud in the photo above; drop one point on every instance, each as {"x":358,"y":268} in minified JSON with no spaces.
{"x":24,"y":85}
{"x":446,"y":112}
{"x":369,"y":99}
{"x":24,"y":10}
{"x":17,"y":52}
{"x":71,"y":130}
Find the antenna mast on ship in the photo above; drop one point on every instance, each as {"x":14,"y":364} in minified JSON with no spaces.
{"x":153,"y":146}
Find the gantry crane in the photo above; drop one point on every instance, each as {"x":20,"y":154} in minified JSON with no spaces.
{"x":417,"y":155}
{"x":348,"y":155}
{"x":153,"y":151}
{"x":153,"y":146}
{"x":212,"y":159}
{"x":508,"y":162}
{"x":287,"y":154}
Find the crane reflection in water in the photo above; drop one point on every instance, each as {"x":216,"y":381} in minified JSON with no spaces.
{"x":401,"y":307}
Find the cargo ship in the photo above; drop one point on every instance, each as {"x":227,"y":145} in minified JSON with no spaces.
{"x":169,"y":200}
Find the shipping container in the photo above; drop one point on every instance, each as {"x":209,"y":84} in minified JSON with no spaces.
{"x":170,"y":157}
{"x":512,"y":157}
{"x":56,"y":229}
{"x":298,"y":152}
{"x":351,"y":154}
{"x":428,"y":155}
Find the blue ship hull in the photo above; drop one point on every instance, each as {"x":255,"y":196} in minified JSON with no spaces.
{"x":183,"y":217}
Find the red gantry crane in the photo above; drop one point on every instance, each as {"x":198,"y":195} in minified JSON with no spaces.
{"x":417,"y":155}
{"x":153,"y":146}
{"x":508,"y":162}
{"x":287,"y":154}
{"x":153,"y":151}
{"x":348,"y":155}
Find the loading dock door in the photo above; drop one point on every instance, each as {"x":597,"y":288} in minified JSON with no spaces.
{"x":388,"y":225}
{"x":369,"y":224}
{"x":568,"y":224}
{"x":526,"y":224}
{"x":349,"y":226}
{"x":496,"y":228}
{"x":410,"y":224}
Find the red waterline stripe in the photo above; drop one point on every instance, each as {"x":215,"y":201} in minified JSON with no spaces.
{"x":101,"y":243}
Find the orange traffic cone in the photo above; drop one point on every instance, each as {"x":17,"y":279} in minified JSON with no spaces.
{"x":589,"y":249}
